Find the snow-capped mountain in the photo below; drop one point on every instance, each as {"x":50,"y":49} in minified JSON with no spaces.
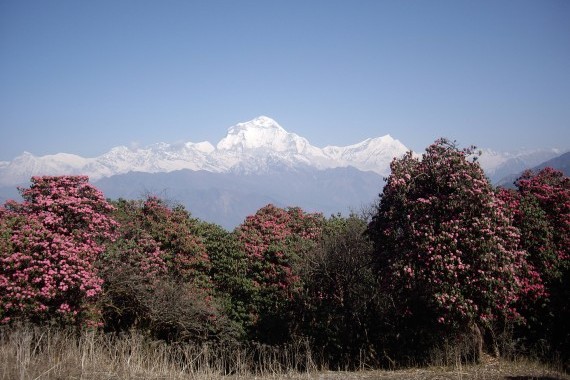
{"x":498,"y":165}
{"x":371,"y":154}
{"x":255,"y":146}
{"x":250,"y":147}
{"x":26,"y":165}
{"x":256,"y":163}
{"x":261,"y":134}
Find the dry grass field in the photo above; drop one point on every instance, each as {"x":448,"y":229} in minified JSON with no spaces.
{"x":34,"y":354}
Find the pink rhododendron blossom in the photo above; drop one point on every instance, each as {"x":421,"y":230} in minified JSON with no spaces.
{"x":442,"y":236}
{"x":273,"y":240}
{"x":49,"y":244}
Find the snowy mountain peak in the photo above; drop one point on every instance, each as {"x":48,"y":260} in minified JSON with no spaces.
{"x":204,"y":146}
{"x":374,"y":154}
{"x":254,"y":146}
{"x":498,"y":165}
{"x":259,"y":122}
{"x":261,"y":133}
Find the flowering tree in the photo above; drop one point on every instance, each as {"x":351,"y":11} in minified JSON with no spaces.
{"x":184,"y":252}
{"x":157,"y":273}
{"x":550,"y":189}
{"x":49,"y":244}
{"x":131,"y":268}
{"x":445,"y":245}
{"x":274,"y":240}
{"x":541,"y":208}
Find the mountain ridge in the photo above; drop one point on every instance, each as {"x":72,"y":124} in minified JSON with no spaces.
{"x":228,"y":198}
{"x":250,"y":146}
{"x":561,"y":163}
{"x":498,"y":165}
{"x":256,"y":163}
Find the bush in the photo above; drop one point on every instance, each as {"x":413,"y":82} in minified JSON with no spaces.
{"x":228,"y":271}
{"x":157,"y":275}
{"x":49,"y":244}
{"x":446,"y":251}
{"x":274,"y":241}
{"x":341,"y":302}
{"x":541,"y":208}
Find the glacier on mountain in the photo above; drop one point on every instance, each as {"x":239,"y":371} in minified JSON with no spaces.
{"x":253,"y":146}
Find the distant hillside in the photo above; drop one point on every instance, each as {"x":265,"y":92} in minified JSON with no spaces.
{"x":561,"y":163}
{"x":501,"y":165}
{"x":227,"y":198}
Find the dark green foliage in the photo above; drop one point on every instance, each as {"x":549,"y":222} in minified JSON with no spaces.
{"x":228,"y":271}
{"x":156,"y":275}
{"x":446,"y":252}
{"x":444,"y":260}
{"x":541,"y":208}
{"x":341,"y":302}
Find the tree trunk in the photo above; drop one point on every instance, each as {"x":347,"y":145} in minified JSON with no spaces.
{"x":477,"y":342}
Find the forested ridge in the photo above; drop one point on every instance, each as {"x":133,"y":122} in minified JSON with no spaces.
{"x":442,"y":259}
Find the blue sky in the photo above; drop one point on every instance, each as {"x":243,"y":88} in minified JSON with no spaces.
{"x":84,"y":76}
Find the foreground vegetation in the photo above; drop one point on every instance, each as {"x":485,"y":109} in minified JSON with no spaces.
{"x":444,"y":270}
{"x":48,"y":353}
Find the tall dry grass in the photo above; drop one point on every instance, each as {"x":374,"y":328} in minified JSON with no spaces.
{"x":49,"y":353}
{"x":34,"y":353}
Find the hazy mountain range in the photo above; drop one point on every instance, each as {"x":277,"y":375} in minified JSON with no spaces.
{"x":258,"y":162}
{"x":251,"y":147}
{"x":561,"y":163}
{"x":501,"y":166}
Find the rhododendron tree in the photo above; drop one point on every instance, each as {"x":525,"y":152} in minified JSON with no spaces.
{"x":50,"y":242}
{"x":184,"y":252}
{"x":131,"y":268}
{"x":550,"y":189}
{"x":157,"y":273}
{"x":541,"y":208}
{"x":445,"y":246}
{"x":274,"y":241}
